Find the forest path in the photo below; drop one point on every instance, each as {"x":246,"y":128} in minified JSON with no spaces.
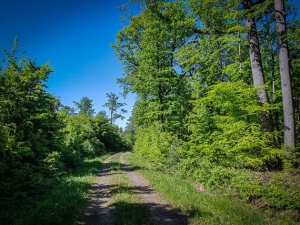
{"x":98,"y":209}
{"x":160,"y":210}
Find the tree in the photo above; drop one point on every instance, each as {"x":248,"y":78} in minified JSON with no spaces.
{"x":85,"y":106}
{"x":102,"y":113}
{"x":256,"y":66}
{"x":287,"y":99}
{"x":67,"y":110}
{"x":30,"y":124}
{"x":147,"y":49}
{"x":113,"y":105}
{"x":222,"y":15}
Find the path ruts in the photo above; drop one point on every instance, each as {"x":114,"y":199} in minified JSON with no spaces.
{"x":160,"y":210}
{"x":97,"y":211}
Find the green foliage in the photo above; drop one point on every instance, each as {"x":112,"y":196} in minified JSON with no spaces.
{"x":60,"y":201}
{"x":197,"y":112}
{"x":226,"y":130}
{"x":53,"y":163}
{"x":85,"y":106}
{"x":153,"y":144}
{"x":205,"y":208}
{"x":278,"y":190}
{"x":87,"y":136}
{"x":147,"y":48}
{"x":39,"y":145}
{"x":113,"y":105}
{"x":29,"y":126}
{"x":109,"y":135}
{"x":80,"y":136}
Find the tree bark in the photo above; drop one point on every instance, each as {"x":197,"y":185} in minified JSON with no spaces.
{"x":257,"y":69}
{"x":287,"y":99}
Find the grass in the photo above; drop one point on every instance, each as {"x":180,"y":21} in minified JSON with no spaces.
{"x":62,"y":202}
{"x":201,"y":208}
{"x":127,"y":207}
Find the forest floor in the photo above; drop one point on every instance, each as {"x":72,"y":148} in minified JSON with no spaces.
{"x":103,"y":205}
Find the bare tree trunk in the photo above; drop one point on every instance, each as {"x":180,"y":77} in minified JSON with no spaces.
{"x":257,"y":69}
{"x":287,"y":99}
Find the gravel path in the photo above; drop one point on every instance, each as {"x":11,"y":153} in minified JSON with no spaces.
{"x":98,"y":212}
{"x":160,"y":210}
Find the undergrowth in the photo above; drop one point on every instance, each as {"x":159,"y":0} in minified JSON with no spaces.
{"x":204,"y":208}
{"x":61,"y":202}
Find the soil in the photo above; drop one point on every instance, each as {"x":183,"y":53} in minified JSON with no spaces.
{"x":98,"y":209}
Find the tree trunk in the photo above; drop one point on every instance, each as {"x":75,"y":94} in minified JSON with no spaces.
{"x":287,"y":99}
{"x":257,"y":69}
{"x":111,"y":116}
{"x":161,"y":116}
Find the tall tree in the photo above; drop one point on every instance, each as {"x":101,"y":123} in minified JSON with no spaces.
{"x":28,"y":122}
{"x":147,"y":48}
{"x":287,"y":99}
{"x":113,"y":105}
{"x":256,"y":64}
{"x":214,"y":18}
{"x":85,"y":106}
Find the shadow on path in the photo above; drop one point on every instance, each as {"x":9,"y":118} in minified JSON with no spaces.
{"x":153,"y":210}
{"x":161,"y":212}
{"x":97,"y":211}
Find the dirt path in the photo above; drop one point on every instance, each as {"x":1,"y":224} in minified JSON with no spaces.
{"x":98,"y":212}
{"x":160,"y":210}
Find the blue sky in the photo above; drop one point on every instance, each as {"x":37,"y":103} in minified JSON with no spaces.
{"x":74,"y":36}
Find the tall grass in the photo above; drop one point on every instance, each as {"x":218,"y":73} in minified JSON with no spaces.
{"x":61,"y":203}
{"x":201,"y":208}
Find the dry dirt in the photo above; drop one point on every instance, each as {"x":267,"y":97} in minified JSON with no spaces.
{"x":98,"y":209}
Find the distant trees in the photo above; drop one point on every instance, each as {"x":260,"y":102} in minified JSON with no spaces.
{"x":113,"y":106}
{"x":39,"y":138}
{"x":85,"y":106}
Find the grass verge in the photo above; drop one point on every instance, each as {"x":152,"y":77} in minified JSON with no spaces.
{"x":62,"y":202}
{"x":201,"y":208}
{"x":127,"y":207}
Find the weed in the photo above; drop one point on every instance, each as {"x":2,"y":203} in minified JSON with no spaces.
{"x":127,"y":207}
{"x":61,"y":203}
{"x":201,"y":208}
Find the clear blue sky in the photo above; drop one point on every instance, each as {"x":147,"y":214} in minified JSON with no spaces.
{"x":74,"y":36}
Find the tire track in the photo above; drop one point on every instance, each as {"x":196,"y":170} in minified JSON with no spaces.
{"x":97,"y":211}
{"x":160,"y":210}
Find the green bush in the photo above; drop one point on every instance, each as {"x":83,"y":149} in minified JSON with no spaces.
{"x":278,"y":190}
{"x":153,"y":144}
